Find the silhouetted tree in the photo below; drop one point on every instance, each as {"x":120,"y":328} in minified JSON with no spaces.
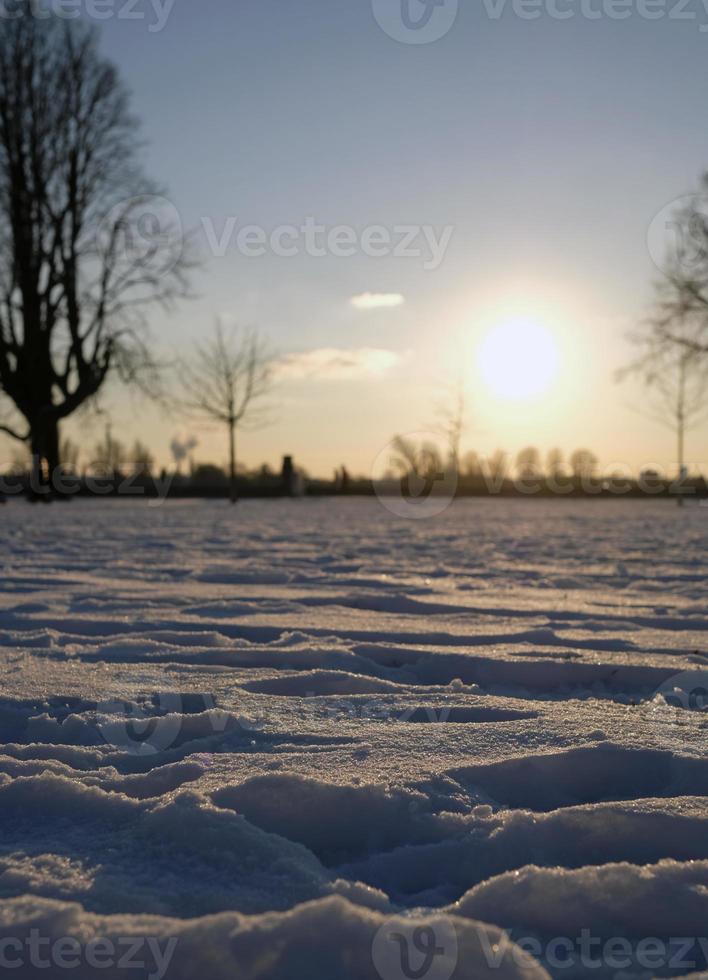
{"x":418,"y":466}
{"x":583,"y":464}
{"x":496,"y":465}
{"x":675,"y":375}
{"x":141,"y":459}
{"x":69,"y":454}
{"x":673,"y":343}
{"x":451,"y":413}
{"x":226,"y":381}
{"x":554,"y":463}
{"x":208,"y":473}
{"x":110,"y":455}
{"x":81,"y":251}
{"x":471,"y":464}
{"x":528,"y":463}
{"x":680,"y":315}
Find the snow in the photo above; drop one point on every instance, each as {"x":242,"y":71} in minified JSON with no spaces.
{"x":309,"y":739}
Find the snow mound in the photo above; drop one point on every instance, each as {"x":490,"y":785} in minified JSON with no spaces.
{"x":307,"y":740}
{"x":666,"y":903}
{"x":330,"y":938}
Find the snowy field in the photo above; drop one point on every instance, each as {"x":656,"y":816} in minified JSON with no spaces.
{"x":312,"y":740}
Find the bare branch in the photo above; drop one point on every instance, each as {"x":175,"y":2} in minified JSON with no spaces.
{"x":87,"y":244}
{"x":672,"y":345}
{"x":226,"y":381}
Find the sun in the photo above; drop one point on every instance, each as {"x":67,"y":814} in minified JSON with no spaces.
{"x":518,"y":360}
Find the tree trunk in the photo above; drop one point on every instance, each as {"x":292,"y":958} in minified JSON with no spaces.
{"x":232,"y":462}
{"x":681,"y":463}
{"x":45,"y":457}
{"x":681,"y":423}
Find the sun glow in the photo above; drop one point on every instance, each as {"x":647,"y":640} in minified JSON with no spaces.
{"x":518,"y":360}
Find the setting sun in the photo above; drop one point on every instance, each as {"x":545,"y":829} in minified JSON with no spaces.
{"x":518,"y":359}
{"x":353,"y":489}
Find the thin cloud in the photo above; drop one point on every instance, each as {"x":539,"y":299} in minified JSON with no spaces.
{"x":334,"y":364}
{"x":377,"y":301}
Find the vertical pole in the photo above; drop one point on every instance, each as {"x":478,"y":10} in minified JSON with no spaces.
{"x":681,"y":419}
{"x":232,"y":460}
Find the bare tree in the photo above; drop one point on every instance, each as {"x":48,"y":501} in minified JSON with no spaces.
{"x":496,"y":466}
{"x":554,"y":463}
{"x":583,"y":464}
{"x":675,"y":375}
{"x":471,"y":464}
{"x":672,"y":343}
{"x":419,"y":467}
{"x":85,"y":248}
{"x":110,"y":455}
{"x":451,"y":413}
{"x":418,"y":460}
{"x":69,"y":453}
{"x":528,"y":463}
{"x":680,"y":315}
{"x":142,"y":460}
{"x":226,"y":381}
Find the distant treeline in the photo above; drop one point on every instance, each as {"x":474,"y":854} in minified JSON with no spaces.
{"x":410,"y":470}
{"x":212,"y":482}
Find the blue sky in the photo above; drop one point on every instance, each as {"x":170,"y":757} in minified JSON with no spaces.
{"x":546,"y":145}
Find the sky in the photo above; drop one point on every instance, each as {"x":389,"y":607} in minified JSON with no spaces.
{"x":531,"y":155}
